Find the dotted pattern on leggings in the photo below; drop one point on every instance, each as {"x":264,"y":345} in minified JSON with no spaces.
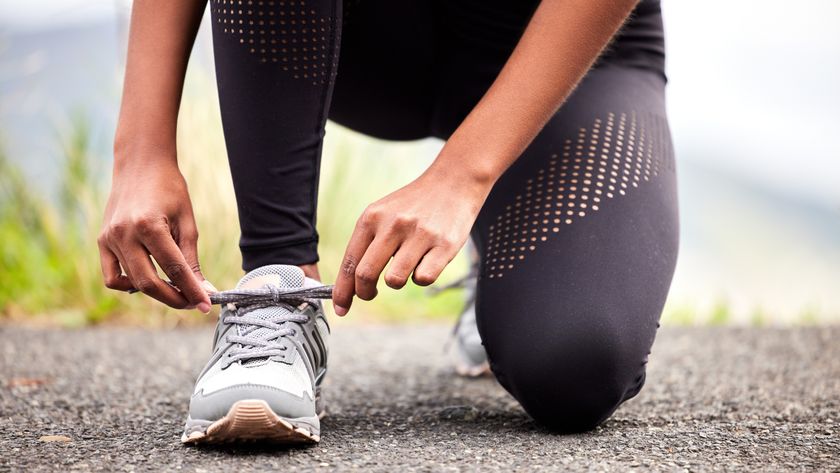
{"x":282,"y":32}
{"x":606,"y":161}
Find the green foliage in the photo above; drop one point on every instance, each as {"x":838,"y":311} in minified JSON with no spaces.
{"x":809,"y":316}
{"x":758,"y":318}
{"x":49,"y":262}
{"x":721,"y":315}
{"x":49,"y":258}
{"x":679,"y":315}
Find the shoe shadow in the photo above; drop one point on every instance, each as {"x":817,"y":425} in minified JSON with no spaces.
{"x":251,"y":448}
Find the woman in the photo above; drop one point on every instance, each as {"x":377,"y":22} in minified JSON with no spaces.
{"x":560,"y":171}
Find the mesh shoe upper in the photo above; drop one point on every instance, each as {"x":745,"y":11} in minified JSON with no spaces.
{"x":276,"y":352}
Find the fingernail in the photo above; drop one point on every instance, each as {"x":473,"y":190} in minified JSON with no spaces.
{"x":340,"y":311}
{"x":208,"y":286}
{"x":204,"y":307}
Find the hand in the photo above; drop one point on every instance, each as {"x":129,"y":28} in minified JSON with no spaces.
{"x":149,"y":213}
{"x":422,"y":226}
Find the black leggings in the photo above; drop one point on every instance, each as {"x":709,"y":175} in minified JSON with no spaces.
{"x":578,"y":239}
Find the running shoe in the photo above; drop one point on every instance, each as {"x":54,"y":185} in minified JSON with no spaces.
{"x":263,"y":380}
{"x":470,"y":355}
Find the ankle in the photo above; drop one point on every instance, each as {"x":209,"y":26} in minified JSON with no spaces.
{"x":311,"y":271}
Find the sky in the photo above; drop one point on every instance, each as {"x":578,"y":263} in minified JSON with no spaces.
{"x":37,"y":14}
{"x":755,"y":88}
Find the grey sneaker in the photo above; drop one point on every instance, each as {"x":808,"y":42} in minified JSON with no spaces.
{"x":470,"y":356}
{"x":269,"y":358}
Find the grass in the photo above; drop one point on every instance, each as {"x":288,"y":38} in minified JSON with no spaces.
{"x":50,"y":264}
{"x":48,"y":261}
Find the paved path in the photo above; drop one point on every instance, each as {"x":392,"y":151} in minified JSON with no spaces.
{"x":716,"y":399}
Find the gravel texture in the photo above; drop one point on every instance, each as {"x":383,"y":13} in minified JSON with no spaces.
{"x":716,"y":399}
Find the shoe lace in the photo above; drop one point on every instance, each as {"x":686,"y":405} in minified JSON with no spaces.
{"x":251,"y":343}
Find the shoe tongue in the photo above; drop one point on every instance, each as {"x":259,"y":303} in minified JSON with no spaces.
{"x":279,"y":275}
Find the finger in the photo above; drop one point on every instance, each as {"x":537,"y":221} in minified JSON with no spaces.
{"x":345,"y":282}
{"x":173,"y":263}
{"x":144,"y":277}
{"x":373,"y":262}
{"x":188,"y":242}
{"x":111,"y":270}
{"x":117,"y":250}
{"x":208,"y":287}
{"x":432,"y":265}
{"x":407,"y":258}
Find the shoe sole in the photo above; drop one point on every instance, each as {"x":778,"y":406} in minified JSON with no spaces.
{"x":472,"y":371}
{"x":251,"y":420}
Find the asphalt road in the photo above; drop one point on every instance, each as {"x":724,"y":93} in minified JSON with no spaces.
{"x":716,"y":399}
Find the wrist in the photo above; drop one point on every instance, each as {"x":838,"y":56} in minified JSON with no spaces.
{"x":451,"y":175}
{"x":145,"y":133}
{"x":466,"y":170}
{"x":478,"y":154}
{"x":146,"y":149}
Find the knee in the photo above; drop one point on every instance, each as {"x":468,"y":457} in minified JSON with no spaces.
{"x":574,"y":382}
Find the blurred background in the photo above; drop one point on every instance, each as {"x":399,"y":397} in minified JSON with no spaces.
{"x":753,"y":102}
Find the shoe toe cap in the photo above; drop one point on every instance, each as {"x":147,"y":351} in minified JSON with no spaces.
{"x":215,"y":405}
{"x":286,"y":388}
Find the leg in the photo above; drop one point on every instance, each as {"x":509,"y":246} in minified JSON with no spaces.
{"x":578,"y":242}
{"x":275,"y":65}
{"x":385,"y":85}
